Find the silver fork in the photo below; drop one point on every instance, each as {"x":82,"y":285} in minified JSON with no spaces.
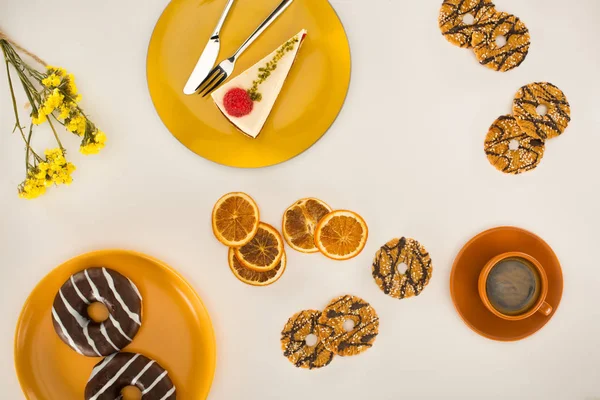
{"x":223,"y":71}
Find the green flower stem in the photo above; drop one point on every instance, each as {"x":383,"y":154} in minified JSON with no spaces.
{"x":18,"y":122}
{"x":30,"y":149}
{"x":20,"y":64}
{"x":16,"y":61}
{"x":56,"y":135}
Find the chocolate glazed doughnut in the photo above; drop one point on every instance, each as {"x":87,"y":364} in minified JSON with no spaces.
{"x":72,"y":323}
{"x":120,"y":370}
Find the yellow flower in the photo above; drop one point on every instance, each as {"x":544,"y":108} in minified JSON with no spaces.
{"x":100,"y":137}
{"x":32,"y":188}
{"x":41,"y":171}
{"x":59,"y":170}
{"x":52,"y":102}
{"x":38,"y":119}
{"x":38,"y":179}
{"x":51,"y":81}
{"x":53,"y":153}
{"x":94,"y":144}
{"x":72,"y":124}
{"x":56,"y":70}
{"x":81,"y":126}
{"x":91,"y":148}
{"x":77,"y":124}
{"x":55,"y":99}
{"x":65,"y":111}
{"x":71,"y":87}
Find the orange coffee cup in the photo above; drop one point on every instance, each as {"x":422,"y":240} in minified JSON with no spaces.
{"x":541,"y":290}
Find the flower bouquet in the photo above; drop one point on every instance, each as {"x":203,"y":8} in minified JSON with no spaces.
{"x":53,"y":99}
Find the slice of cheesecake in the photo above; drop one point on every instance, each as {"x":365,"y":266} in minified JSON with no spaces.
{"x":247,"y":99}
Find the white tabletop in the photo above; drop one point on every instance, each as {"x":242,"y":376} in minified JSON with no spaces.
{"x":406,"y":153}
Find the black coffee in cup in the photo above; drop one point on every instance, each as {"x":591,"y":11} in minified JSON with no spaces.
{"x":513,"y":286}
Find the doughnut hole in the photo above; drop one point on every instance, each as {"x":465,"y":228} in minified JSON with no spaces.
{"x":97,"y":312}
{"x":131,"y":393}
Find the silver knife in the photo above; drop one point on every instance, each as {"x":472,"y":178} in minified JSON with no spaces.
{"x":207,"y":60}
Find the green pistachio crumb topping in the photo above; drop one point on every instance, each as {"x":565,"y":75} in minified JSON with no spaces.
{"x":265,"y":72}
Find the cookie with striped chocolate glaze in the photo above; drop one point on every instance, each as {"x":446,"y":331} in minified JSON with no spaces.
{"x":294,"y":345}
{"x":339,"y":338}
{"x":511,"y":150}
{"x":452,"y":24}
{"x":550,"y":125}
{"x":394,"y":253}
{"x":72,"y":323}
{"x":512,"y":53}
{"x":117,"y":371}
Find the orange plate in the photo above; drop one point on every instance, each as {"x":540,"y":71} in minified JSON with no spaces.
{"x":176,"y":330}
{"x":309,"y":103}
{"x":465,"y":274}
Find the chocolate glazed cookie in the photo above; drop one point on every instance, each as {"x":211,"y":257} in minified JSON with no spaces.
{"x":402,"y":284}
{"x":511,"y":150}
{"x":452,"y":19}
{"x":120,"y":370}
{"x":341,"y":337}
{"x":512,"y":53}
{"x":72,"y":323}
{"x":294,"y":341}
{"x":525,"y":108}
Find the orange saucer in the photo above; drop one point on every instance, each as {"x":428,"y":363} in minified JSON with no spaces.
{"x":465,"y":274}
{"x":176,"y":330}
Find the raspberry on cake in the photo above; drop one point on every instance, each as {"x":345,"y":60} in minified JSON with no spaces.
{"x":248,"y":99}
{"x":237,"y":102}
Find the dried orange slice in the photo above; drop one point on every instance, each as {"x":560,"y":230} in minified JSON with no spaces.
{"x":235,"y":219}
{"x":341,"y":235}
{"x":300,"y":221}
{"x":255,"y":278}
{"x":264,"y":251}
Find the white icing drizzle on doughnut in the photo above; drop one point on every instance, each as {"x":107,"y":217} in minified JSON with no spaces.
{"x":135,"y":289}
{"x":118,"y":326}
{"x":105,"y":334}
{"x":170,"y":392}
{"x":149,"y":388}
{"x":100,"y":366}
{"x":90,"y":340}
{"x":142,"y":372}
{"x":95,"y":292}
{"x":64,"y":331}
{"x":81,"y":296}
{"x":111,"y":284}
{"x":80,"y":320}
{"x":83,"y":323}
{"x":114,"y":378}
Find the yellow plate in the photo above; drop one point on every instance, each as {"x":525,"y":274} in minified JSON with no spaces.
{"x":310,"y":101}
{"x":176,"y":331}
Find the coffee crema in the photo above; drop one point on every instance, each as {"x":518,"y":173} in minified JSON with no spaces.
{"x":513,"y":286}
